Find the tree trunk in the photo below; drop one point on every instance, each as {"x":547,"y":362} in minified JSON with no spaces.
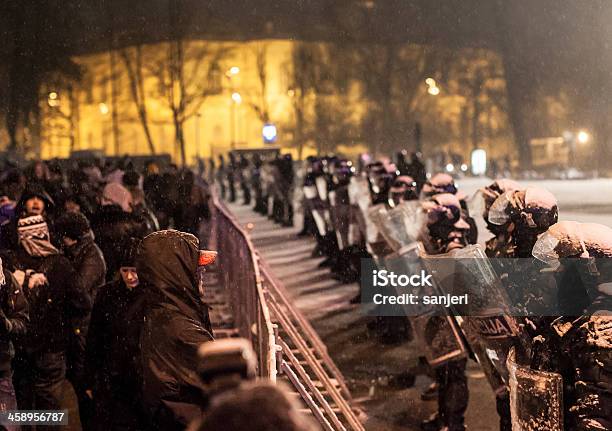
{"x":517,"y":88}
{"x":113,"y":84}
{"x":137,"y":92}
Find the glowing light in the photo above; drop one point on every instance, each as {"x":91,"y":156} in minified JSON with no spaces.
{"x":434,"y":91}
{"x":234,"y":70}
{"x":103,"y":108}
{"x":464,"y":167}
{"x":269,"y":133}
{"x":237,"y":98}
{"x":291,"y":93}
{"x":53,"y":99}
{"x":479,"y":162}
{"x":431,"y":82}
{"x":583,"y":137}
{"x":450,"y":167}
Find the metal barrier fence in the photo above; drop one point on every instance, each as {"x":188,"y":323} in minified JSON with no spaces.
{"x":285,"y":342}
{"x":239,"y":270}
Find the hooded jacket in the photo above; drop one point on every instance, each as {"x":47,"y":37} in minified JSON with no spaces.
{"x":175,"y":324}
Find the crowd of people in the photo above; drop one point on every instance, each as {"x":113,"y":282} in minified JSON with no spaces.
{"x":99,"y":281}
{"x":99,"y":291}
{"x":554,"y":298}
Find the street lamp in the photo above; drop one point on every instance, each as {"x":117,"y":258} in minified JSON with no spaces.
{"x":583,"y":137}
{"x":236,"y":100}
{"x":432,"y":87}
{"x":53,"y":99}
{"x":103,"y":108}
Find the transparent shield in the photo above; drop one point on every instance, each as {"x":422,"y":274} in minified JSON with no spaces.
{"x":536,"y":398}
{"x":399,"y":226}
{"x":497,"y":212}
{"x":439,"y":338}
{"x":487,"y":316}
{"x":310,"y":192}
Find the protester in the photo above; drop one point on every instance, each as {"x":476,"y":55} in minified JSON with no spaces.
{"x":193,"y":196}
{"x":112,"y":348}
{"x":114,"y":223}
{"x":87,"y":259}
{"x":175,"y":323}
{"x":55,"y":297}
{"x":14,"y":318}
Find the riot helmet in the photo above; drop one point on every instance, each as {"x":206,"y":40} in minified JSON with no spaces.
{"x":581,"y":253}
{"x":342,"y":173}
{"x":534,"y":209}
{"x":525,"y":215}
{"x":380,"y":180}
{"x":447,"y":229}
{"x":483,"y":199}
{"x":404,"y":188}
{"x":439,"y":183}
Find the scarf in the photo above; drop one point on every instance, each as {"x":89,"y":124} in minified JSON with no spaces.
{"x":34,"y":237}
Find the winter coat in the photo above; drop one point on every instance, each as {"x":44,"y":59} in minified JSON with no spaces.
{"x":112,"y":227}
{"x":193,"y":208}
{"x":153,"y":191}
{"x":111,"y":363}
{"x":175,"y":324}
{"x":14,"y":318}
{"x":52,"y":306}
{"x":88,"y":261}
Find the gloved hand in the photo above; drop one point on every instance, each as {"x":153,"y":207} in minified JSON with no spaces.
{"x":36,"y":280}
{"x":19,"y":276}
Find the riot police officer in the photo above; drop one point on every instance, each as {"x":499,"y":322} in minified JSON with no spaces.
{"x":340,"y":216}
{"x":444,"y":183}
{"x":578,"y":348}
{"x":517,"y":217}
{"x":256,"y":185}
{"x":446,"y":231}
{"x":487,"y":196}
{"x":231,"y":172}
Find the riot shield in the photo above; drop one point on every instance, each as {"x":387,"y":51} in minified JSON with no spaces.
{"x":536,"y":398}
{"x":435,"y":332}
{"x":376,"y":244}
{"x":310,"y":192}
{"x":321,"y":185}
{"x":358,"y":195}
{"x":530,"y":286}
{"x":487,"y":321}
{"x":399,"y":226}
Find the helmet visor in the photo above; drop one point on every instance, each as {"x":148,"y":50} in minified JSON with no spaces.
{"x":545,"y":249}
{"x":498,"y":213}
